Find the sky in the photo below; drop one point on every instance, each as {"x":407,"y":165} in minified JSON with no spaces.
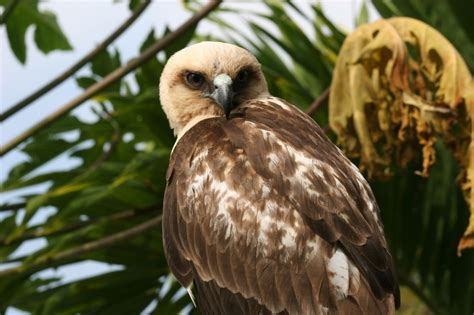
{"x":86,"y":23}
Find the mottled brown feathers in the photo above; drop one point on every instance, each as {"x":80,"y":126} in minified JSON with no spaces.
{"x":265,"y":215}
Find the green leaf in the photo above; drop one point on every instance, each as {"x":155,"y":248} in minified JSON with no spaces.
{"x":106,"y":62}
{"x":147,"y":74}
{"x":16,"y":30}
{"x":48,"y":35}
{"x":181,"y":41}
{"x":319,"y":13}
{"x":40,"y":152}
{"x":85,"y":82}
{"x":423,"y":220}
{"x":363,"y":16}
{"x":105,"y":294}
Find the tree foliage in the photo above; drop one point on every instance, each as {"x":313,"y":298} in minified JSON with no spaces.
{"x":107,"y":208}
{"x":47,"y":34}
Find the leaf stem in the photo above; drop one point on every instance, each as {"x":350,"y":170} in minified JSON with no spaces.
{"x":41,"y":232}
{"x":114,"y":141}
{"x":71,"y":254}
{"x":75,"y":67}
{"x":12,"y":206}
{"x":112,"y":77}
{"x":313,"y":108}
{"x":8,"y":9}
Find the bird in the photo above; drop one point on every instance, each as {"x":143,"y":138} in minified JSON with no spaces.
{"x":262,"y":213}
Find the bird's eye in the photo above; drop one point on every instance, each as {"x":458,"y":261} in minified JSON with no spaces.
{"x":194,"y":80}
{"x":243,"y":76}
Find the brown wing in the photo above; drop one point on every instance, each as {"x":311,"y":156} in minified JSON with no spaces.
{"x":347,"y":211}
{"x":265,"y":207}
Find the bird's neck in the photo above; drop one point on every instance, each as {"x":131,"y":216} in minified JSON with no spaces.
{"x":180,"y":132}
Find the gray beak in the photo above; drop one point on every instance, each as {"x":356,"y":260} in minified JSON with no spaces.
{"x":223,"y":93}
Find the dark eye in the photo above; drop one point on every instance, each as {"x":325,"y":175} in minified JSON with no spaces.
{"x":243,"y":76}
{"x":194,"y":80}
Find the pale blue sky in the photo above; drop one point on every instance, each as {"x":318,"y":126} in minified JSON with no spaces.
{"x":86,"y":23}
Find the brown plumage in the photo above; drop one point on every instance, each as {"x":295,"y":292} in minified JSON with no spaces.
{"x":262,"y":213}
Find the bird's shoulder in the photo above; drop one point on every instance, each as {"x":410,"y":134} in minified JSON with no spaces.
{"x":256,"y":117}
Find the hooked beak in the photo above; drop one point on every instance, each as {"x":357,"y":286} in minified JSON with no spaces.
{"x":223,"y":93}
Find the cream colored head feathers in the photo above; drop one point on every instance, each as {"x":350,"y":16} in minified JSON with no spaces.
{"x":208,"y":79}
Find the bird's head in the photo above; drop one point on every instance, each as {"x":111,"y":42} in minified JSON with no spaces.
{"x":208,"y":79}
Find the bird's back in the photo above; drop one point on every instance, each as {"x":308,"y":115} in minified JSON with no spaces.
{"x":266,"y":215}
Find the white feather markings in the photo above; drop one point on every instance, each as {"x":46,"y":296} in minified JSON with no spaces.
{"x":303,"y":164}
{"x":198,"y":181}
{"x":342,"y":272}
{"x":323,"y":310}
{"x":288,"y":239}
{"x":281,"y":104}
{"x":265,"y":191}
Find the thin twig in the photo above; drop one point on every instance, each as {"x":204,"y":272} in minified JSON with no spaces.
{"x":318,"y":102}
{"x":75,"y":67}
{"x":114,"y":141}
{"x":15,"y":260}
{"x":40,"y":232}
{"x":8,"y":9}
{"x":13,"y":206}
{"x":112,"y":77}
{"x":107,"y":153}
{"x":73,"y":253}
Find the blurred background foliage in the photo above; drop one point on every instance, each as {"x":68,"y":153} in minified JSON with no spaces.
{"x":107,"y":208}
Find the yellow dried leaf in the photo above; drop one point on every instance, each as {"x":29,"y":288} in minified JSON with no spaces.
{"x":440,"y":61}
{"x":398,"y":86}
{"x":467,"y":240}
{"x":368,"y":59}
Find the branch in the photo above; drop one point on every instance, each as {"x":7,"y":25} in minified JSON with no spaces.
{"x":41,"y":232}
{"x":112,"y":77}
{"x":8,"y":9}
{"x":86,"y":248}
{"x":313,"y":108}
{"x":78,"y":65}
